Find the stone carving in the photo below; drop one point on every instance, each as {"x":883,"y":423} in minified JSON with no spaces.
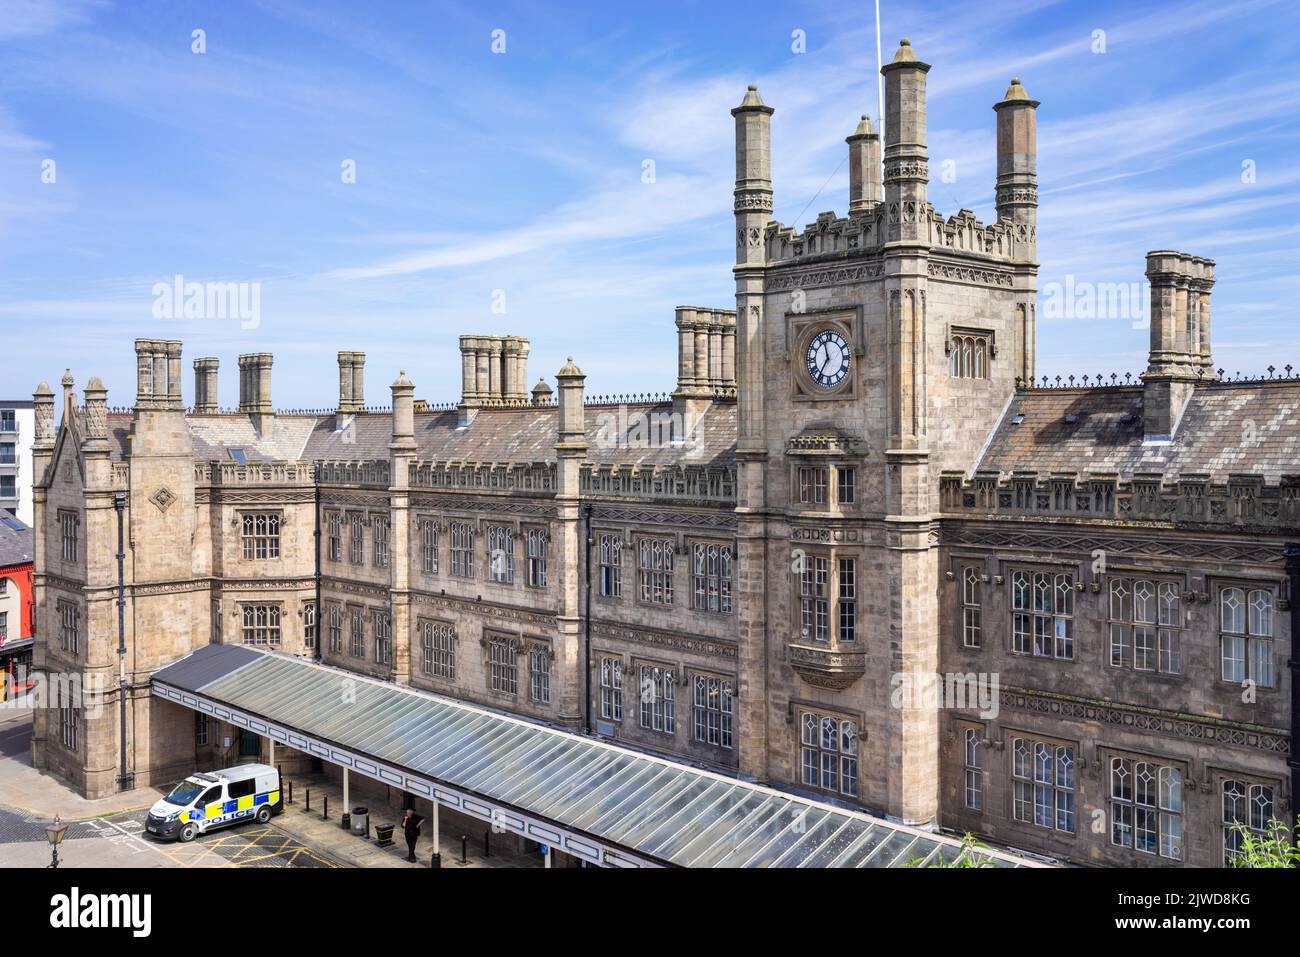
{"x":163,"y":498}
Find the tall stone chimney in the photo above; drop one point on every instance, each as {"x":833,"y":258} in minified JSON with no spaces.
{"x":352,"y":382}
{"x":205,"y":385}
{"x":95,"y":428}
{"x":1180,"y":338}
{"x":907,"y":162}
{"x":706,"y":359}
{"x":1017,"y":183}
{"x":865,"y":190}
{"x":158,"y":375}
{"x":494,"y":371}
{"x":255,"y":389}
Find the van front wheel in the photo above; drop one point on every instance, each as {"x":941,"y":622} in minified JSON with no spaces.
{"x":189,"y":832}
{"x":263,"y":814}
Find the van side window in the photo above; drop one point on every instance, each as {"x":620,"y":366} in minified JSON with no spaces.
{"x":210,"y":796}
{"x":238,"y":789}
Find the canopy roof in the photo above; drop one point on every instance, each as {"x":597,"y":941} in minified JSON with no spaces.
{"x":608,"y":804}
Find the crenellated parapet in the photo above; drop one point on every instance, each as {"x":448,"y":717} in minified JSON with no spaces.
{"x":834,"y":236}
{"x":1191,"y":500}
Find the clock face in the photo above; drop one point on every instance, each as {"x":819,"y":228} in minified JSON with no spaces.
{"x":828,"y":359}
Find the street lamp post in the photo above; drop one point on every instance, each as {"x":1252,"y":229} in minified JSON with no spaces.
{"x":54,"y":832}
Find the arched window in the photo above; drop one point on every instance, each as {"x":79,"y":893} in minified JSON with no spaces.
{"x":968,"y":356}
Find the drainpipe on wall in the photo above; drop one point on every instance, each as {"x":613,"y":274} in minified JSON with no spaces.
{"x":586,"y":622}
{"x":320,"y":611}
{"x":1292,"y":552}
{"x":125,"y":780}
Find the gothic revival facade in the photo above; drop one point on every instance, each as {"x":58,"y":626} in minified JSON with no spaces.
{"x":860,"y":552}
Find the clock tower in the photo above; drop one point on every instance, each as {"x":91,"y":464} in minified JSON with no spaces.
{"x":851,"y":402}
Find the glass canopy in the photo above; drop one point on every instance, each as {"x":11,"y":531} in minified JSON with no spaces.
{"x":664,"y":811}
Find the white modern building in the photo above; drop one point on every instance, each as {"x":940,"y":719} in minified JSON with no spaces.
{"x":17,"y":425}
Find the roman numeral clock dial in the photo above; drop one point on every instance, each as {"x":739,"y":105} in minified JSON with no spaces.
{"x":827,"y":359}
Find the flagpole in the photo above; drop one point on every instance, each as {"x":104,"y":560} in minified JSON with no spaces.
{"x":880,"y":78}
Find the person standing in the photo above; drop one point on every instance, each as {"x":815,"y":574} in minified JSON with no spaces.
{"x":411,"y":828}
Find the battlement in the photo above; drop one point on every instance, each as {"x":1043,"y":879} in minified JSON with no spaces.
{"x":834,"y":236}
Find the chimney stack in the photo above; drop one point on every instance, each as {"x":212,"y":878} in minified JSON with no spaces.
{"x":865,"y":190}
{"x":95,"y":430}
{"x":1017,"y":183}
{"x":706,"y":358}
{"x":907,"y":162}
{"x":494,"y":371}
{"x":205,"y":385}
{"x":1180,"y":338}
{"x":255,"y":389}
{"x":352,"y":382}
{"x":158,"y":375}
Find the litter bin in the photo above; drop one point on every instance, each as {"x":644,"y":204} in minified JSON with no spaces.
{"x":360,"y":823}
{"x":384,"y":834}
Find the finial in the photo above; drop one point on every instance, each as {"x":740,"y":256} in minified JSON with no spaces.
{"x":752,"y":100}
{"x":68,"y":381}
{"x":1016,"y":94}
{"x":905,"y":52}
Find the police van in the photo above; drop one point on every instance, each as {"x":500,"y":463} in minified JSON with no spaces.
{"x":209,"y":800}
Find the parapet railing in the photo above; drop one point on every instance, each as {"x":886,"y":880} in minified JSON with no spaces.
{"x":1100,"y":380}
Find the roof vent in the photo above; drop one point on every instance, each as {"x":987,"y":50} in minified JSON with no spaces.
{"x":1128,"y":418}
{"x":1018,"y":418}
{"x":1071,"y":419}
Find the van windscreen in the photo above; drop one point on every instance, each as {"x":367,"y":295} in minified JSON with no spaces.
{"x":184,"y":793}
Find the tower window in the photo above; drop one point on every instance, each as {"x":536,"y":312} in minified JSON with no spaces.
{"x":812,"y":485}
{"x":846,"y":488}
{"x":968,"y":355}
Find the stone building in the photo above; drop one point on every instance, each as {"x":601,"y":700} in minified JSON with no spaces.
{"x":861,"y":552}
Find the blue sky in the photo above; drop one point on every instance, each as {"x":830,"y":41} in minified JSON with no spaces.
{"x":522,"y":172}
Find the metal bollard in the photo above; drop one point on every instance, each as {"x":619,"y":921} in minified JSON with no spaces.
{"x":290,"y":792}
{"x":435,"y":860}
{"x":464,"y":849}
{"x":325,"y":814}
{"x":367,"y":827}
{"x":308,"y":807}
{"x":487,"y":843}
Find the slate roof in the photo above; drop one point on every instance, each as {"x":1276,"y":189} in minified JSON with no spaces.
{"x":1227,"y":428}
{"x":523,"y":434}
{"x":17,"y":545}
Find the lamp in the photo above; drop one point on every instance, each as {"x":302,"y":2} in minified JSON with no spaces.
{"x":54,"y":832}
